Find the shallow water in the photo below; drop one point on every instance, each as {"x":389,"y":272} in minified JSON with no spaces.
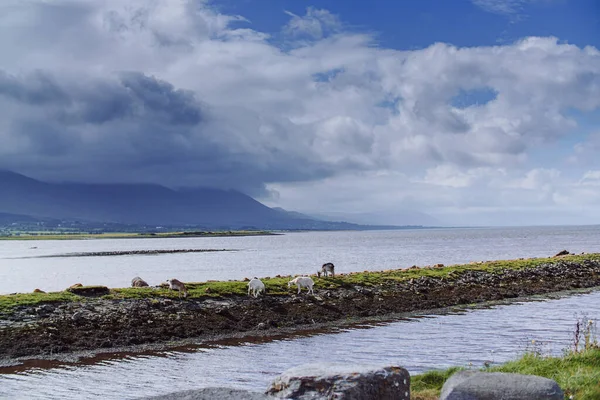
{"x":291,"y":253}
{"x":476,"y":337}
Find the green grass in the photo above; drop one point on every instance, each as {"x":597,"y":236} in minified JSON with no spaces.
{"x":278,"y":285}
{"x":128,"y":235}
{"x":9,"y":302}
{"x":577,"y":373}
{"x":448,"y":272}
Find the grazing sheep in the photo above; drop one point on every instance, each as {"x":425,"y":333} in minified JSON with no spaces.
{"x":328,"y":268}
{"x":302,"y":281}
{"x":138,"y":282}
{"x":256,"y":286}
{"x":175,"y":284}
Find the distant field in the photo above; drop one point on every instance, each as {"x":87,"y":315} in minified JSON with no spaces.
{"x":129,"y":235}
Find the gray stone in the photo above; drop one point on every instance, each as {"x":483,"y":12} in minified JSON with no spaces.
{"x":474,"y":385}
{"x":342,"y":381}
{"x":211,"y":394}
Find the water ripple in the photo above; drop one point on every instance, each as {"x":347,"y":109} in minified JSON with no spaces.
{"x":490,"y":335}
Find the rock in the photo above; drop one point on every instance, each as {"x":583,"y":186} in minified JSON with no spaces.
{"x":562,"y":253}
{"x":80,"y":316}
{"x":342,"y":381}
{"x":44,"y":310}
{"x":211,"y":394}
{"x":89,"y":290}
{"x":474,"y":385}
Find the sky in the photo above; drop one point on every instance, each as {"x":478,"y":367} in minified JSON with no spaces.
{"x":464,"y":112}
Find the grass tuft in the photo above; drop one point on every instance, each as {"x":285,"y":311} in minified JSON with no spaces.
{"x":577,"y":372}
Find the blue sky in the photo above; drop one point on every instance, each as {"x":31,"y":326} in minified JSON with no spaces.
{"x":415,"y":24}
{"x":462,"y":112}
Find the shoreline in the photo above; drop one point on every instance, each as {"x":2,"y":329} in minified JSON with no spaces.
{"x":93,"y":356}
{"x":137,"y":235}
{"x":127,"y":253}
{"x":158,"y":319}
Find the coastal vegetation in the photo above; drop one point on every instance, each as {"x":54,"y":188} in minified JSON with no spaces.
{"x":277,"y":286}
{"x":577,"y":371}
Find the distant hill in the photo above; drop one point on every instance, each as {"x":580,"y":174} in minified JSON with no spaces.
{"x":147,"y":204}
{"x":6,"y":218}
{"x":293,"y":214}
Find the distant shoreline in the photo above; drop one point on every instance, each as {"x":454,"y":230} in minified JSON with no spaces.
{"x":134,"y":235}
{"x":128,"y":253}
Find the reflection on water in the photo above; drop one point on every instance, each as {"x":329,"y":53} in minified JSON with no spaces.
{"x":292,"y":253}
{"x":477,"y":336}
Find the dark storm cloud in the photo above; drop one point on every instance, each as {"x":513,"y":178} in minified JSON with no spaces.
{"x":37,"y":89}
{"x":134,"y":127}
{"x":160,"y":98}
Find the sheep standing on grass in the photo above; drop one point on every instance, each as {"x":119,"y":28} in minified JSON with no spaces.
{"x":256,"y":286}
{"x":302,"y":281}
{"x":138,"y":282}
{"x":175,"y":284}
{"x":327,"y":269}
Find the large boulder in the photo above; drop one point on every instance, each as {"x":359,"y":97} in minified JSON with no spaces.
{"x":342,"y":381}
{"x":211,"y":394}
{"x":474,"y":385}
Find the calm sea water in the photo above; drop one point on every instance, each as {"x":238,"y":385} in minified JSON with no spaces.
{"x":473,"y":337}
{"x":292,"y":253}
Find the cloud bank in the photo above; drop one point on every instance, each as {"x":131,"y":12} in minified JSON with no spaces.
{"x":177,"y":93}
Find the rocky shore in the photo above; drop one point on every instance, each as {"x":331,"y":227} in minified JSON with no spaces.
{"x":131,"y":252}
{"x":56,"y":328}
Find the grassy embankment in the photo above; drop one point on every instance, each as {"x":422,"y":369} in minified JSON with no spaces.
{"x":128,"y":235}
{"x":278,"y":285}
{"x":577,"y":372}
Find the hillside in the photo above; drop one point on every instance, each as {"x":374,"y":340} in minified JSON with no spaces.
{"x":145,"y":204}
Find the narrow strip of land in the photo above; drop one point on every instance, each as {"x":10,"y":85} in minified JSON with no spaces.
{"x":129,"y":253}
{"x":55,"y":323}
{"x":129,"y":235}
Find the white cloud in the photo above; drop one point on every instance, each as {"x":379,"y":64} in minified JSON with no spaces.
{"x":453,"y":176}
{"x":502,"y":6}
{"x":309,"y":122}
{"x":507,"y":7}
{"x":590,"y":178}
{"x":316,"y":23}
{"x":537,"y":179}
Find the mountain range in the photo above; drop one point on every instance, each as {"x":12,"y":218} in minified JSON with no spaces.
{"x":25,"y":198}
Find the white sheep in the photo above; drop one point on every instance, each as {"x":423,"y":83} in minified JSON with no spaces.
{"x":302,"y":281}
{"x":256,"y":286}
